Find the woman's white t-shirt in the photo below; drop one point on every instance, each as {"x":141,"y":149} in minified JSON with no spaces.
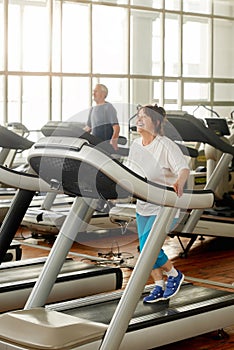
{"x":160,"y":162}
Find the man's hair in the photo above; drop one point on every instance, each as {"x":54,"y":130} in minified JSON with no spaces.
{"x":104,"y":89}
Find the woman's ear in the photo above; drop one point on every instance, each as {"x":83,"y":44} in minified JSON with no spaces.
{"x":157,"y":125}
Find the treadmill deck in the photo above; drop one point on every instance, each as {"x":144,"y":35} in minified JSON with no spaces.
{"x":189,"y":301}
{"x":76,"y":279}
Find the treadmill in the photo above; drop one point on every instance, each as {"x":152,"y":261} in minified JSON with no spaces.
{"x":47,"y":220}
{"x":18,"y":277}
{"x":76,"y":279}
{"x":114,"y":320}
{"x":14,"y":141}
{"x":204,"y":222}
{"x":207,"y":222}
{"x":11,"y":143}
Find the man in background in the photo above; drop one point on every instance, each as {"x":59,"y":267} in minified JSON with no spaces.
{"x":102,"y":121}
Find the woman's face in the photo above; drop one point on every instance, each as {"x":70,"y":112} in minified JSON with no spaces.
{"x":144,"y":123}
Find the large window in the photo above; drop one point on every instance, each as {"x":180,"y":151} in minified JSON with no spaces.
{"x":110,"y":40}
{"x":28,"y":36}
{"x":172,"y":45}
{"x":75,"y":38}
{"x":177,"y":53}
{"x":224,"y":51}
{"x":2,"y":112}
{"x":2,"y":37}
{"x":196,"y":47}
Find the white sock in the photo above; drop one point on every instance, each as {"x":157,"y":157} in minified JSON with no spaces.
{"x":173,"y":272}
{"x":160,"y":283}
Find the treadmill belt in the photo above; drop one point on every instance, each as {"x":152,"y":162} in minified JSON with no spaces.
{"x":76,"y":279}
{"x":189,"y":301}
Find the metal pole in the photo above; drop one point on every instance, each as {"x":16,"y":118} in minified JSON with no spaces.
{"x":13,"y":218}
{"x":76,"y":221}
{"x":139,"y":277}
{"x":212,"y":183}
{"x":48,"y":200}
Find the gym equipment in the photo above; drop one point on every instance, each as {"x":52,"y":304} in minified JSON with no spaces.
{"x":88,"y":173}
{"x":76,"y":279}
{"x":47,"y":220}
{"x":16,"y":284}
{"x":212,"y":222}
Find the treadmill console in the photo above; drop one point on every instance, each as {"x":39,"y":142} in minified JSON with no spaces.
{"x":53,"y":127}
{"x":218,"y":125}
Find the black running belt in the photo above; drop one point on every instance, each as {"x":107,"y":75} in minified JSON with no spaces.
{"x":76,"y":279}
{"x":191,"y":300}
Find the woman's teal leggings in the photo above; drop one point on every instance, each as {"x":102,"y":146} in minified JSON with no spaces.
{"x":144,"y":225}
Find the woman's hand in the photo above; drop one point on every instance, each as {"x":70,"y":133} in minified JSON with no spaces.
{"x":180,"y":182}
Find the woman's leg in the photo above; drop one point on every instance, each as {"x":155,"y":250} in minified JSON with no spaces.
{"x":144,"y":225}
{"x":162,"y":265}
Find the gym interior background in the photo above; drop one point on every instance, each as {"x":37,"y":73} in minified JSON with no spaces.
{"x":178,"y":53}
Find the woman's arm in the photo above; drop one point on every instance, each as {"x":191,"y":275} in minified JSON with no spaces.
{"x":180,"y":182}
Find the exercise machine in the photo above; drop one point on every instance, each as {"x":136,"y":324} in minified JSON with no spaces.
{"x":200,"y":223}
{"x":48,"y":219}
{"x":18,"y":277}
{"x":113,"y":321}
{"x":76,"y":279}
{"x":207,"y":222}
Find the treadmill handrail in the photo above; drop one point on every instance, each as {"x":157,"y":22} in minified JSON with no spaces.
{"x":23,"y":181}
{"x":132,"y":183}
{"x":11,"y":140}
{"x":192,"y":129}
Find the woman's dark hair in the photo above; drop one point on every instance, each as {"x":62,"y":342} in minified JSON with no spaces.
{"x":157,"y":115}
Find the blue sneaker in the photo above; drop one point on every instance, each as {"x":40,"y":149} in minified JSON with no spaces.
{"x":173,"y":285}
{"x":155,"y":295}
